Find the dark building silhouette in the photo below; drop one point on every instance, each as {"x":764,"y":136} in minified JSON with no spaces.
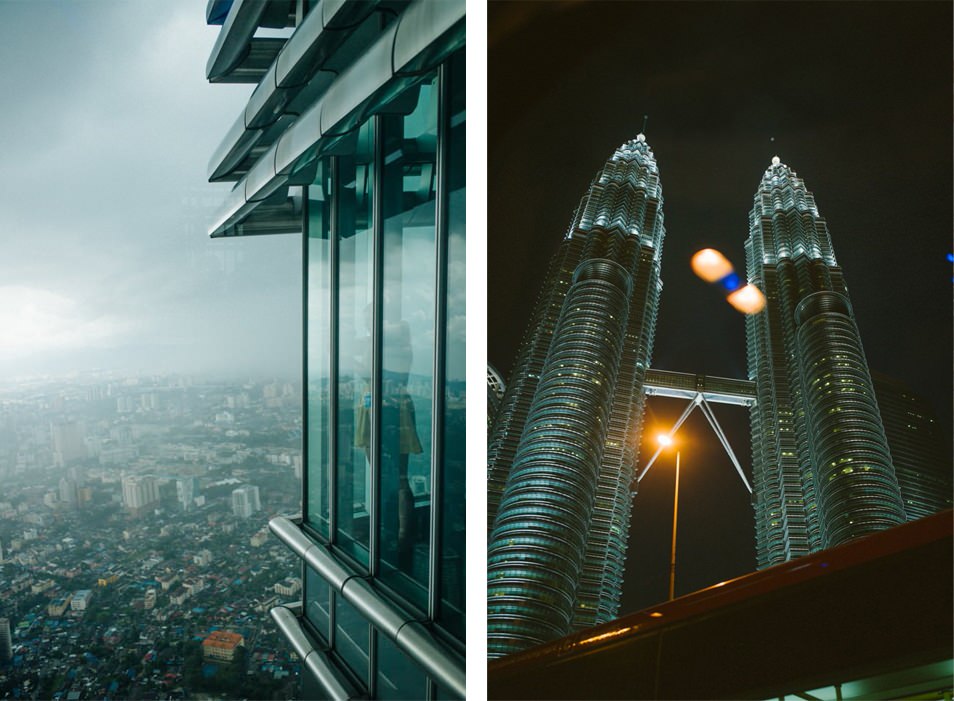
{"x":919,"y":451}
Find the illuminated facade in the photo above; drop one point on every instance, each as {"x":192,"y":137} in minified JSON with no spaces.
{"x":353,"y":138}
{"x":564,"y":439}
{"x":822,"y":469}
{"x":495,"y":392}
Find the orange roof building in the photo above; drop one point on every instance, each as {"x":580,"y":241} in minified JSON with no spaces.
{"x":221,"y":645}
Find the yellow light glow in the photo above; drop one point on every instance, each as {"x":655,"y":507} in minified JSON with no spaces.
{"x":748,"y":299}
{"x":655,"y":614}
{"x":611,"y":634}
{"x":711,"y":265}
{"x":664,"y":439}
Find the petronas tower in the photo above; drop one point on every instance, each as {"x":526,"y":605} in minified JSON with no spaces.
{"x":564,"y":440}
{"x":822,"y":468}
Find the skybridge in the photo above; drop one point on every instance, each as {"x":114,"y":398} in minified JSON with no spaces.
{"x":700,"y":391}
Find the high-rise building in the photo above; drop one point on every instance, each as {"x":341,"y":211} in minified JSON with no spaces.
{"x":69,"y":493}
{"x":187,"y":489}
{"x":245,"y":501}
{"x":69,"y":442}
{"x":6,"y":641}
{"x":921,"y":455}
{"x":566,"y":435}
{"x":140,"y":493}
{"x":354,"y":138}
{"x":822,"y":469}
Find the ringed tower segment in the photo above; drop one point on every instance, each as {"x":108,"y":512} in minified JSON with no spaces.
{"x":559,"y":514}
{"x":822,"y":469}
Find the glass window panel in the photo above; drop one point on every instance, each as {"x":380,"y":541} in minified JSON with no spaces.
{"x":318,"y":603}
{"x":352,"y":638}
{"x":398,"y":677}
{"x":355,"y":305}
{"x":455,"y":388}
{"x":407,"y":343}
{"x":442,"y":694}
{"x":318,"y":462}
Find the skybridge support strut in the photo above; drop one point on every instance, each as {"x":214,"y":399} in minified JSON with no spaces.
{"x":699,"y":401}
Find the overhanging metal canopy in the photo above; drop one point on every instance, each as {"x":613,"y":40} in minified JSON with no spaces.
{"x":423,"y":36}
{"x":238,"y":56}
{"x":302,"y":70}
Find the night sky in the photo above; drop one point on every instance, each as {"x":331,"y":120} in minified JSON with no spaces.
{"x":855,"y":97}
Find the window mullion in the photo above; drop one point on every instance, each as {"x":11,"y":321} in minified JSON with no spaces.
{"x":333,"y":233}
{"x":377,"y":239}
{"x":440,"y":316}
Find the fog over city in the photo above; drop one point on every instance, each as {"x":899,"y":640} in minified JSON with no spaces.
{"x":107,"y":127}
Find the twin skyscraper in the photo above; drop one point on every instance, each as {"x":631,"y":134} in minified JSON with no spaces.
{"x":564,"y":441}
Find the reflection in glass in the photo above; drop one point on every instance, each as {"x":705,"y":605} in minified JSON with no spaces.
{"x":318,"y":477}
{"x":455,"y":388}
{"x":355,"y":320}
{"x":407,"y":347}
{"x":352,"y":638}
{"x":318,"y":603}
{"x":398,"y":676}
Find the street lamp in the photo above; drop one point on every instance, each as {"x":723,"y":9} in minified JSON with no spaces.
{"x":665,"y":440}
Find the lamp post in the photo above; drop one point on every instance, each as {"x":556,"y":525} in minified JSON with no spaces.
{"x":666,"y":440}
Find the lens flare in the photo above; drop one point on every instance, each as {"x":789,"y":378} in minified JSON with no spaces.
{"x":748,"y":299}
{"x":711,"y":265}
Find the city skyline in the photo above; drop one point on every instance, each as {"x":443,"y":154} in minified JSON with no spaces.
{"x":105,"y":560}
{"x":726,"y":88}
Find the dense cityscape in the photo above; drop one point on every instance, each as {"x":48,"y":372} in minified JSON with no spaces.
{"x":136,"y":559}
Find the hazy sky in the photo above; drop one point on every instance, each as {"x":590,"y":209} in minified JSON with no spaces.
{"x":106,"y":128}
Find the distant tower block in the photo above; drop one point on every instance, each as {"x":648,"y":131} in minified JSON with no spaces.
{"x":6,"y":642}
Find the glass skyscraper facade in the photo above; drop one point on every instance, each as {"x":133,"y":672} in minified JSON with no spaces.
{"x":921,"y":455}
{"x":565,"y":437}
{"x":822,"y":467}
{"x":354,"y":138}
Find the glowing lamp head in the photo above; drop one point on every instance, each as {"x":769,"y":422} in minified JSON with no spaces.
{"x":664,"y":439}
{"x":711,"y":265}
{"x":748,"y":299}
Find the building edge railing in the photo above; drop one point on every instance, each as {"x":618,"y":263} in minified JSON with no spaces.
{"x":325,"y":671}
{"x":409,"y":634}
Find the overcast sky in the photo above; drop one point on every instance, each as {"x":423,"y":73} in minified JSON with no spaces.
{"x":106,"y":130}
